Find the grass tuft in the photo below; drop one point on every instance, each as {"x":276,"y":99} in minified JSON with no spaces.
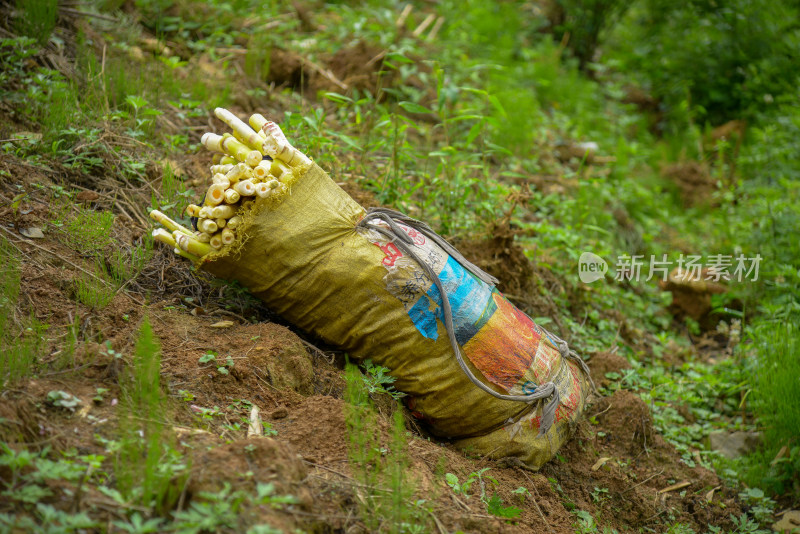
{"x":147,"y":462}
{"x":386,"y":502}
{"x":21,"y":345}
{"x":37,"y":18}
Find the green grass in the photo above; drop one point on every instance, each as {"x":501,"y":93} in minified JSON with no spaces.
{"x":147,"y":465}
{"x":775,"y":397}
{"x":386,"y":502}
{"x":95,"y":291}
{"x":84,"y":229}
{"x":37,"y":18}
{"x":22,"y":338}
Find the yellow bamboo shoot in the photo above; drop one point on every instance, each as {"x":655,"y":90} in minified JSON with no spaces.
{"x":234,"y":221}
{"x":222,"y":180}
{"x":165,"y":237}
{"x":228,"y":160}
{"x":202,"y":237}
{"x":257,"y":121}
{"x":221,"y":169}
{"x":213,"y":142}
{"x":242,"y":131}
{"x":216,"y":241}
{"x":207,"y":225}
{"x":228,"y":236}
{"x":245,"y":188}
{"x":235,"y":148}
{"x":223,"y":211}
{"x":215,"y":195}
{"x":193,"y":210}
{"x":221,"y":223}
{"x":168,"y":223}
{"x":277,"y":147}
{"x":190,"y":245}
{"x":261,"y":171}
{"x":232,"y":196}
{"x":184,"y":254}
{"x":263,"y":190}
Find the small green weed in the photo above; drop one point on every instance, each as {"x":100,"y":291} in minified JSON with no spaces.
{"x":377,"y":380}
{"x":95,"y":291}
{"x":211,"y":357}
{"x":86,"y":230}
{"x":21,"y":344}
{"x":62,"y":399}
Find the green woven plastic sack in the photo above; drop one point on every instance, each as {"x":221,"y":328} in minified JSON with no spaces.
{"x":476,"y":369}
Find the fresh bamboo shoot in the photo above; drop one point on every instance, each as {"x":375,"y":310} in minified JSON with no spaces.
{"x":245,"y":188}
{"x":220,"y":169}
{"x":207,"y":225}
{"x":277,"y":147}
{"x":190,"y":245}
{"x":257,"y":121}
{"x":222,"y":180}
{"x":228,"y":236}
{"x":213,"y":142}
{"x":216,"y":241}
{"x":165,"y":237}
{"x":235,"y":148}
{"x":263,"y":190}
{"x":184,"y":254}
{"x":232,"y":196}
{"x":168,"y":223}
{"x":215,"y":195}
{"x":193,"y":210}
{"x":242,"y":131}
{"x":223,"y":211}
{"x":254,"y":158}
{"x":261,"y":171}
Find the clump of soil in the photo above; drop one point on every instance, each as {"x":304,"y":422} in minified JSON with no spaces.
{"x":521,"y":281}
{"x":627,"y":421}
{"x":691,"y":295}
{"x":694,"y":182}
{"x":359,"y":66}
{"x":606,"y":362}
{"x":286,"y":69}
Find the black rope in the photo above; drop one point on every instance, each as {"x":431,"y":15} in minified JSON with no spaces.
{"x":548,"y":393}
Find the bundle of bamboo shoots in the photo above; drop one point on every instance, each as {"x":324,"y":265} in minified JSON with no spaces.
{"x":253,"y":162}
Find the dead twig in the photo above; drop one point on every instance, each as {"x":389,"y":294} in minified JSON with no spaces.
{"x":642,"y":482}
{"x":86,"y":14}
{"x":325,"y":73}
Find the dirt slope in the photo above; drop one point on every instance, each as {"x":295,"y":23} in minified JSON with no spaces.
{"x":616,"y":467}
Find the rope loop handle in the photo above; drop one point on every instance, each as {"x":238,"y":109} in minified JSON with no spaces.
{"x":548,"y":393}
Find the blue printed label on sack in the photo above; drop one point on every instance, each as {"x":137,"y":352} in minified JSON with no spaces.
{"x":470,"y":300}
